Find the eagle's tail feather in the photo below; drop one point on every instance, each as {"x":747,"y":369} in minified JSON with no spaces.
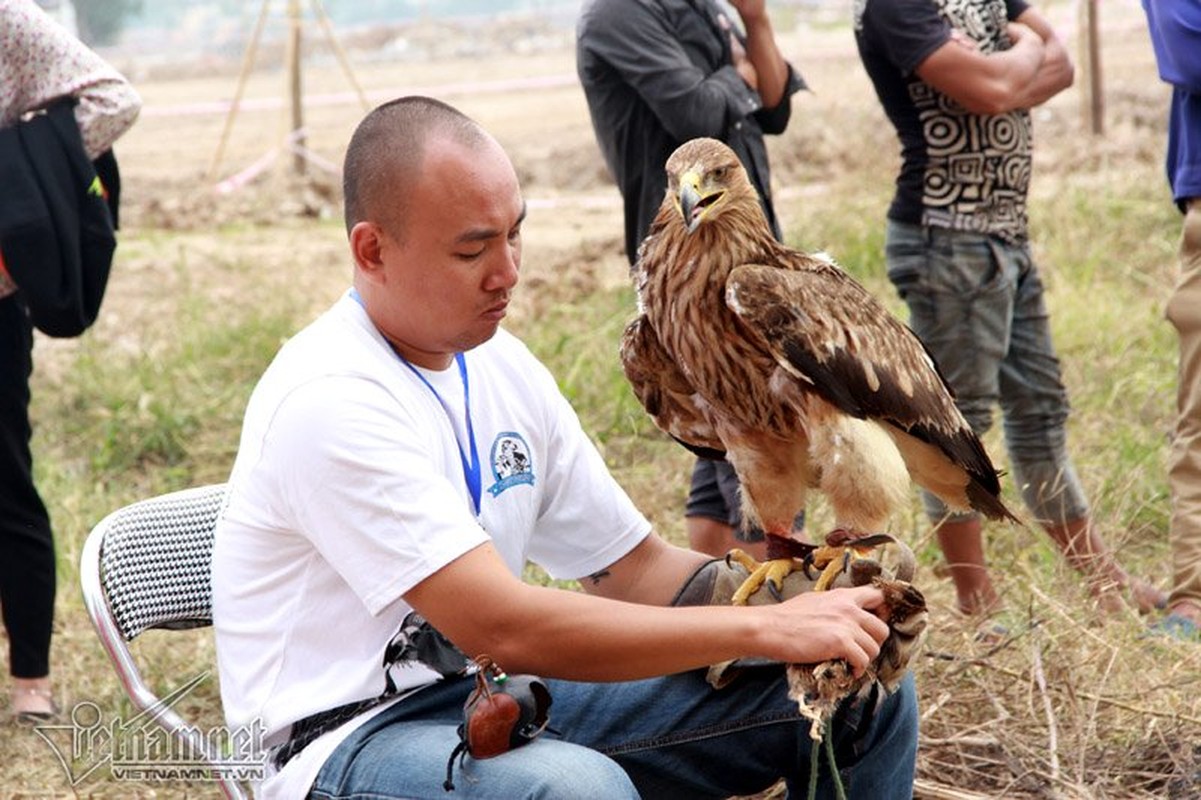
{"x":987,"y":503}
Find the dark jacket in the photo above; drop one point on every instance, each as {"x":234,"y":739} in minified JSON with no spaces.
{"x":656,"y":74}
{"x":56,"y":227}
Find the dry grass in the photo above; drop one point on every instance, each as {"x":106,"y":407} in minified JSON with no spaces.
{"x":1068,"y":706}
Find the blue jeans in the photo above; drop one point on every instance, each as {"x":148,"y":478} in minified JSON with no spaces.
{"x":661,"y":738}
{"x":977,"y":303}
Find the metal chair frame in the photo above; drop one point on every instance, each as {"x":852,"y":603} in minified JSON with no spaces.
{"x":147,"y":566}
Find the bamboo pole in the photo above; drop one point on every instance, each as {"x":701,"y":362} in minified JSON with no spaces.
{"x":247,"y":65}
{"x":323,"y":18}
{"x":295,"y":87}
{"x":1092,"y":89}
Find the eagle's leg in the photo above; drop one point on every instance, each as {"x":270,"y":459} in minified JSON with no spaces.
{"x":834,"y":567}
{"x":841,"y":550}
{"x":784,"y":556}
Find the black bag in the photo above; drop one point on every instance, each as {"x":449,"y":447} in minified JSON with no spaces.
{"x":56,"y":225}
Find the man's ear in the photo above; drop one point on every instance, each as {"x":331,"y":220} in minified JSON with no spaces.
{"x":366,"y":246}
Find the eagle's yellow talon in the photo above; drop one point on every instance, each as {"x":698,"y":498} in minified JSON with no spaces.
{"x":831,"y":572}
{"x":775,"y":571}
{"x":743,"y":558}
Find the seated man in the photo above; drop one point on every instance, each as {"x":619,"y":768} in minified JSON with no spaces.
{"x":400,"y":461}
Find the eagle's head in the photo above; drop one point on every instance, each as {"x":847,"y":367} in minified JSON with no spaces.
{"x":704,"y":180}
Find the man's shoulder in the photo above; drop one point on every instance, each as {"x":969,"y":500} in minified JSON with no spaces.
{"x":899,"y":32}
{"x":332,"y":344}
{"x":611,"y":17}
{"x":894,"y":16}
{"x":506,"y":351}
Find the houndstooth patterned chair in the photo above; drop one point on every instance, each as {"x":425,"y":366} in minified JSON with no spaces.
{"x":145,"y":566}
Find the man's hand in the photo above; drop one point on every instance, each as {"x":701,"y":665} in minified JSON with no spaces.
{"x":1018,"y":31}
{"x":839,"y":623}
{"x":743,"y":64}
{"x":813,"y":626}
{"x":963,"y":40}
{"x":760,"y":64}
{"x":750,"y":10}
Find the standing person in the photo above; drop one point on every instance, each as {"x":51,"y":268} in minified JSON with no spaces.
{"x":1176,"y":36}
{"x":957,"y":81}
{"x":400,"y":461}
{"x":40,"y":63}
{"x":659,"y":73}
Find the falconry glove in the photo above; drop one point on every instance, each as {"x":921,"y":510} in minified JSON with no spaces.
{"x":891,"y":567}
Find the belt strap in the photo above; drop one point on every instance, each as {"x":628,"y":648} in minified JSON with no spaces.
{"x":306,"y":730}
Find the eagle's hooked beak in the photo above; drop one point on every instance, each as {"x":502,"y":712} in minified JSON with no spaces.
{"x":691,"y":202}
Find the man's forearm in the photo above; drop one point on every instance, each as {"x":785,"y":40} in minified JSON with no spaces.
{"x":985,"y":84}
{"x":1054,"y":75}
{"x":1056,"y":72}
{"x":763,"y":52}
{"x":651,"y":573}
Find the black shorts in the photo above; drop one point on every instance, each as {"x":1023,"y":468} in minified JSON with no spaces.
{"x":713,"y":494}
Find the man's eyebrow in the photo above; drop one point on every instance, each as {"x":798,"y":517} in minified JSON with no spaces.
{"x":483,"y":234}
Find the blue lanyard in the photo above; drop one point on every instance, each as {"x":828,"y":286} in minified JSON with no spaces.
{"x":471,"y":467}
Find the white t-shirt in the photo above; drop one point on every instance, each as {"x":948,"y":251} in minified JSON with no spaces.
{"x":349,"y":489}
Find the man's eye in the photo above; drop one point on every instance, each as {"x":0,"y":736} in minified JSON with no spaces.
{"x":472,"y":256}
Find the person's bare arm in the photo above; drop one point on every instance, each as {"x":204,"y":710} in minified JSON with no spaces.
{"x":771,"y":71}
{"x":483,"y":608}
{"x":986,"y":84}
{"x":1056,"y":72}
{"x":651,"y":573}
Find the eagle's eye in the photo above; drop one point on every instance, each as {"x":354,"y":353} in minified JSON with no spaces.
{"x":719,"y":174}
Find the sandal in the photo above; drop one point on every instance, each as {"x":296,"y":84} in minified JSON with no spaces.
{"x":1146,"y":596}
{"x":1175,"y":626}
{"x":31,"y":717}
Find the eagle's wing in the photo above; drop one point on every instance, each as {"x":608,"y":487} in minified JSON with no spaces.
{"x":665,"y":392}
{"x":834,"y":336}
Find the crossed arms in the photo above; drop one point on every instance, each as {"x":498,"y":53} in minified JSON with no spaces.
{"x":1035,"y":68}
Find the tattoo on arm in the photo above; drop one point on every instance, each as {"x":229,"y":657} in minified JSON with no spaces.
{"x":597,"y":577}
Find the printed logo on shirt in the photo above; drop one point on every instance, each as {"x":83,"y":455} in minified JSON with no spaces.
{"x":511,"y":462}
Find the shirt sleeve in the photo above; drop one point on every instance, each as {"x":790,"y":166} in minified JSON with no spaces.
{"x":40,"y":61}
{"x":905,"y":31}
{"x":641,"y":46}
{"x":1015,"y":9}
{"x":365,"y":487}
{"x":586,"y":521}
{"x":775,"y":120}
{"x":1176,"y":36}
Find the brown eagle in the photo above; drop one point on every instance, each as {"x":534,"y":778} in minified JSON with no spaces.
{"x":783,"y":364}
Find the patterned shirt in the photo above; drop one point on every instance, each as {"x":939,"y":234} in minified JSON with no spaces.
{"x":960,"y":170}
{"x":40,"y":61}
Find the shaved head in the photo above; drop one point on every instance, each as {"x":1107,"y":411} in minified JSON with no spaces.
{"x":384,"y":157}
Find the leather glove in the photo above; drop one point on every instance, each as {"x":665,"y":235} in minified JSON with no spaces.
{"x":893,"y":562}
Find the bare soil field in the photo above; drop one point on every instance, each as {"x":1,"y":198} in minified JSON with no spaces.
{"x":529,"y":98}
